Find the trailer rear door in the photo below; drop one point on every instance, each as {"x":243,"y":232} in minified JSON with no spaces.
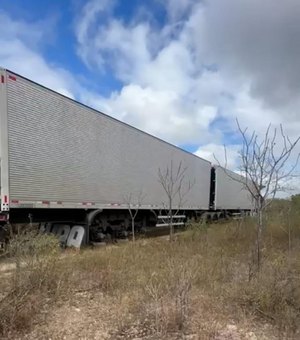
{"x":4,"y":180}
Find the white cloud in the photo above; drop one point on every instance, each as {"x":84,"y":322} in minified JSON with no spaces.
{"x":255,"y":42}
{"x":21,"y":30}
{"x":164,"y":92}
{"x":86,"y":27}
{"x":160,"y":112}
{"x":156,"y":65}
{"x":218,"y":154}
{"x":19,"y":53}
{"x":15,"y":56}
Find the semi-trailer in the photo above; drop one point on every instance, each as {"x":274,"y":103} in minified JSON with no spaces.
{"x":64,"y":161}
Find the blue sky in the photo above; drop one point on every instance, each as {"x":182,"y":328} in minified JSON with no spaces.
{"x":182,"y":70}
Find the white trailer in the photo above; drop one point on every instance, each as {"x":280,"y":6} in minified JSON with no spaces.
{"x":57,"y":153}
{"x":230,"y":191}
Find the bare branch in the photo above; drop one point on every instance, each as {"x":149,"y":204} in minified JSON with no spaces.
{"x":172,"y":180}
{"x":264,"y":163}
{"x":133,"y":206}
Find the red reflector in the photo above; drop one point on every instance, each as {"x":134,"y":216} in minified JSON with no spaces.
{"x":12,"y":77}
{"x":45,"y":202}
{"x":3,"y":218}
{"x":14,"y":201}
{"x":2,"y":79}
{"x":5,"y":199}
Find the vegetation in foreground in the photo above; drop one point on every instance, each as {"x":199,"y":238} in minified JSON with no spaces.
{"x":203,"y":285}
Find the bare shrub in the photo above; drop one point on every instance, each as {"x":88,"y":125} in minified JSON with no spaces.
{"x":266,"y":167}
{"x":176,"y":188}
{"x":133,"y":205}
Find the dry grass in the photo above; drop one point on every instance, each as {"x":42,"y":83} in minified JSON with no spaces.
{"x":34,"y":279}
{"x":204,"y":283}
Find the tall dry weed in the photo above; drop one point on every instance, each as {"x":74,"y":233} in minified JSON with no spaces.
{"x":36,"y":276}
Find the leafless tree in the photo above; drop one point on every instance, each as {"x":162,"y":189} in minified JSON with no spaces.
{"x":265,"y":168}
{"x":133,"y":205}
{"x":176,"y":188}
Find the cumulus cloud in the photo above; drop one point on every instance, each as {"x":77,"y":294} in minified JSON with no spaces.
{"x":85,"y":28}
{"x":257,"y":42}
{"x":220,"y":155}
{"x":158,"y":112}
{"x":20,"y":53}
{"x":164,"y":92}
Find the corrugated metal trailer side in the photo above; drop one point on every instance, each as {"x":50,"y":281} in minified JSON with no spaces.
{"x":62,"y":154}
{"x":230,"y":192}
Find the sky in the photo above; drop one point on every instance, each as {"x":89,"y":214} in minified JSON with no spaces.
{"x":182,"y":70}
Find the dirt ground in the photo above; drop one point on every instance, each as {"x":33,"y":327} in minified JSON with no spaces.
{"x":92,"y":316}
